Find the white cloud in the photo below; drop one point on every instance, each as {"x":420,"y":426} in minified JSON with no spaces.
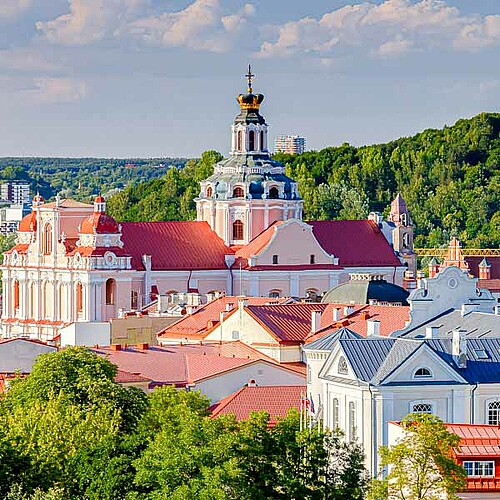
{"x":13,"y":8}
{"x":56,"y":90}
{"x":202,"y":25}
{"x":90,"y":21}
{"x":387,"y":29}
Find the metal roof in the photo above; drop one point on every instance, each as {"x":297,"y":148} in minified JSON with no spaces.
{"x":327,"y":342}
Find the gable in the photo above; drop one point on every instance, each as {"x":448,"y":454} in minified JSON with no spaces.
{"x":337,"y":366}
{"x":423,"y":358}
{"x":305,"y":249}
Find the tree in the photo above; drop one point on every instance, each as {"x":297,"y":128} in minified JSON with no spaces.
{"x":421,"y":465}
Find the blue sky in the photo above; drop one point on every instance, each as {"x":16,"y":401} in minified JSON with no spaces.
{"x":158,"y":77}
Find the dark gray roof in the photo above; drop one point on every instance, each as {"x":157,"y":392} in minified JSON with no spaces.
{"x":476,"y":324}
{"x":372,"y":360}
{"x":363,"y":291}
{"x":327,"y":341}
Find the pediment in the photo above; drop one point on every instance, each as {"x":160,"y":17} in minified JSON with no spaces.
{"x":337,"y":365}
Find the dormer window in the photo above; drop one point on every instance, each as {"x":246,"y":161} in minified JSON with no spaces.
{"x":238,"y":192}
{"x":422,"y":373}
{"x":342,"y":368}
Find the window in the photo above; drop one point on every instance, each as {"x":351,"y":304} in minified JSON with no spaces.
{"x":251,"y":140}
{"x":421,"y":408}
{"x":110,"y":292}
{"x":494,"y":413}
{"x":335,"y":413}
{"x":342,"y":366}
{"x":79,"y":298}
{"x":47,"y":239}
{"x":274,"y":294}
{"x":16,"y":294}
{"x":209,"y":192}
{"x":312,"y":295}
{"x":237,"y":230}
{"x":483,"y":469}
{"x":134,"y":299}
{"x":422,"y":373}
{"x":274,"y":193}
{"x":262,"y":145}
{"x":481,"y":354}
{"x":312,"y":259}
{"x":275,"y":259}
{"x":240,"y":140}
{"x":238,"y":192}
{"x":352,"y":421}
{"x":235,"y":335}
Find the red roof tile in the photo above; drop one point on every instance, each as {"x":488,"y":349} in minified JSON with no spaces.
{"x":20,"y":248}
{"x":355,"y":243}
{"x":99,"y":223}
{"x":28,"y":223}
{"x":198,"y":325}
{"x":174,"y":245}
{"x":275,"y":400}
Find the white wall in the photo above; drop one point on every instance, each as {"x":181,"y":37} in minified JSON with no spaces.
{"x":86,"y":334}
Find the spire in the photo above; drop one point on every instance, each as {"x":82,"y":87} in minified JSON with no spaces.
{"x":249,"y":76}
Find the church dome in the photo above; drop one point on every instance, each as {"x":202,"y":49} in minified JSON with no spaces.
{"x":99,"y":222}
{"x":28,"y":223}
{"x":366,"y":289}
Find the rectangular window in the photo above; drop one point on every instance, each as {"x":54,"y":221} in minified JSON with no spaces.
{"x":235,"y":335}
{"x":312,"y":259}
{"x":275,"y":259}
{"x":480,"y":469}
{"x":352,"y":421}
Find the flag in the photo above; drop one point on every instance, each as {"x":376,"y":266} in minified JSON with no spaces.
{"x":311,"y":404}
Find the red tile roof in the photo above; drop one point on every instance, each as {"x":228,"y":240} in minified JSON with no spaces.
{"x":258,"y":243}
{"x":99,"y":223}
{"x":20,"y":248}
{"x":198,"y":325}
{"x":275,"y":400}
{"x":28,"y":223}
{"x":492,"y":285}
{"x":355,"y":243}
{"x":181,"y":365}
{"x":473,"y":263}
{"x":174,"y":245}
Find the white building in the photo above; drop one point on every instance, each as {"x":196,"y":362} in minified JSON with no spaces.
{"x":291,"y":144}
{"x":17,"y":192}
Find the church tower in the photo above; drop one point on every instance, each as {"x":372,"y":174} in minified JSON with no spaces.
{"x":248,"y":191}
{"x":402,"y":233}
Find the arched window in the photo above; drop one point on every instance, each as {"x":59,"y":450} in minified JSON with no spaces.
{"x":274,"y":294}
{"x":209,"y":192}
{"x":79,"y":298}
{"x":274,"y":193}
{"x":237,"y":230}
{"x":342,"y":366}
{"x":238,"y":192}
{"x":16,"y":294}
{"x":251,"y":140}
{"x":421,"y":408}
{"x":352,"y":421}
{"x":335,"y":413}
{"x":494,"y":412}
{"x":240,"y":140}
{"x":47,"y":239}
{"x":262,"y":145}
{"x":422,"y":373}
{"x":110,"y":291}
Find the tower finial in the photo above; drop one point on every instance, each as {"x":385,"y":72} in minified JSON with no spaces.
{"x":249,"y":77}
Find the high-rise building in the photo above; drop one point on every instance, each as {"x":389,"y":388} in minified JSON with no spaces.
{"x":17,"y":192}
{"x":292,"y":144}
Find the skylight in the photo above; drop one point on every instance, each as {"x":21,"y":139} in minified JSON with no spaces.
{"x":481,"y":354}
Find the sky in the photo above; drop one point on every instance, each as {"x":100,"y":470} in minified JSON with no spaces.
{"x":148,"y":78}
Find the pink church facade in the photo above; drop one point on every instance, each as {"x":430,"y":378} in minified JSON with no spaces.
{"x":72,"y":262}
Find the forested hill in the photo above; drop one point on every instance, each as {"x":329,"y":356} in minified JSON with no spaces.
{"x":450,"y":179}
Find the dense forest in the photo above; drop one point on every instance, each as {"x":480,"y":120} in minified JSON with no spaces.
{"x":450,"y":179}
{"x":82,"y":178}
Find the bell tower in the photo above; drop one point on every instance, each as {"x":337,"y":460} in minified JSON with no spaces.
{"x":248,"y":191}
{"x":402,"y":233}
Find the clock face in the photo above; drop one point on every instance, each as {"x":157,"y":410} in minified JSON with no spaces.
{"x":452,"y":283}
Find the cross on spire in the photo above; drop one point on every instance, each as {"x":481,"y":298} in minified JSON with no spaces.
{"x":249,"y":76}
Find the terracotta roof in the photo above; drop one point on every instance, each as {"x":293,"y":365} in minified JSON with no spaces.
{"x":67,"y":203}
{"x":198,"y":325}
{"x":473,"y":263}
{"x":181,"y":365}
{"x":28,"y":223}
{"x":258,"y":243}
{"x":174,"y":245}
{"x":357,"y":243}
{"x":20,"y":248}
{"x":275,"y":400}
{"x":123,"y":377}
{"x":492,"y":285}
{"x":99,"y":223}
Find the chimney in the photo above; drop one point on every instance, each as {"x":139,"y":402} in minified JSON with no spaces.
{"x":468,"y":308}
{"x":420,"y":278}
{"x":163,"y":303}
{"x":143,"y":346}
{"x":229,"y":306}
{"x":484,"y":270}
{"x":459,"y":348}
{"x":242,"y":303}
{"x":409,"y":281}
{"x":116,"y":347}
{"x":348,"y":310}
{"x":336,"y":313}
{"x":431,"y":332}
{"x":372,"y":327}
{"x":364,"y":315}
{"x":222,"y":316}
{"x":252,"y":383}
{"x":315,"y":321}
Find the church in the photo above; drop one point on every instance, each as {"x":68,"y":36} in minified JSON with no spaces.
{"x":73,"y":262}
